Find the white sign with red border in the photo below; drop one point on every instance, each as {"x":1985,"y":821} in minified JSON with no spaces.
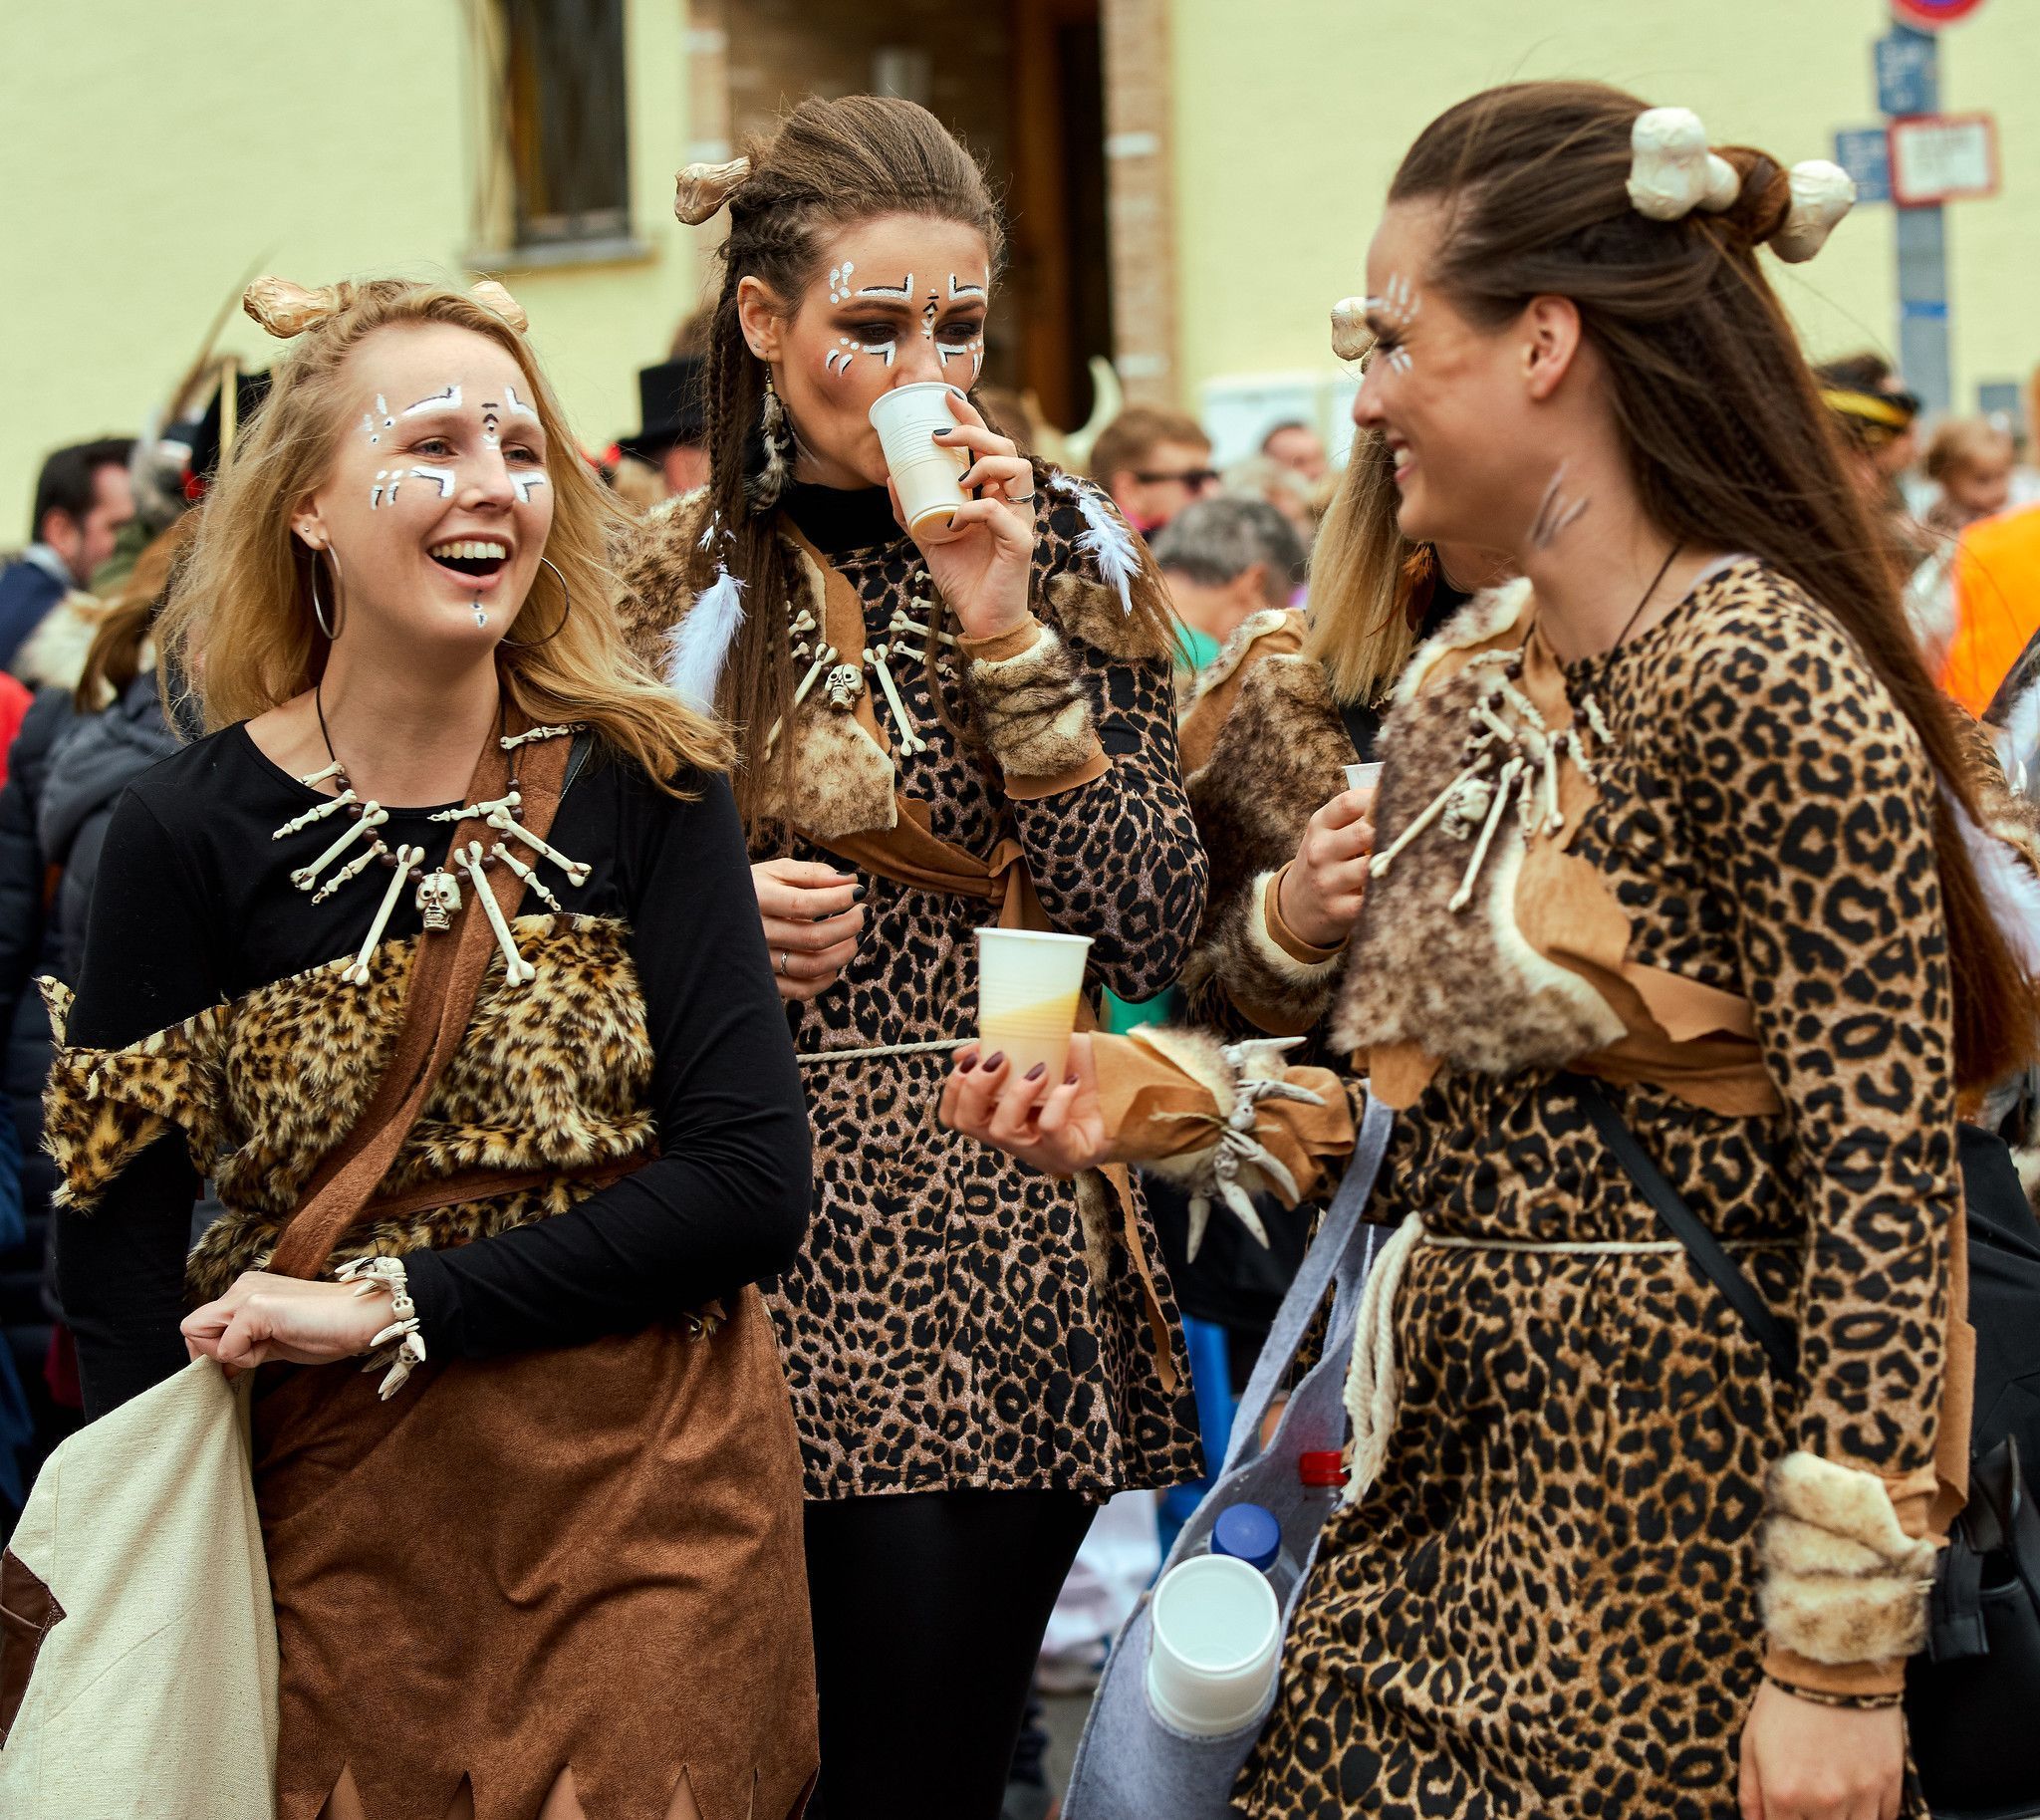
{"x":1944,"y":157}
{"x":1931,"y":15}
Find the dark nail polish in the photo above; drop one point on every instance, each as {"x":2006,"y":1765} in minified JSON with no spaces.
{"x":966,"y":1061}
{"x":1037,"y":1071}
{"x":995,"y":1063}
{"x":857,"y":892}
{"x":1068,"y":1080}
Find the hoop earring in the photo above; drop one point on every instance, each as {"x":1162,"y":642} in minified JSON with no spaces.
{"x":775,"y":437}
{"x":566,"y":613}
{"x":317,"y":614}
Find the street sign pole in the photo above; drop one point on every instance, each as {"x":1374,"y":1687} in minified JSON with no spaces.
{"x":1909,"y":82}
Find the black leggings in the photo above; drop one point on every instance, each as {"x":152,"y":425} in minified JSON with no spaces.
{"x":928,"y":1612}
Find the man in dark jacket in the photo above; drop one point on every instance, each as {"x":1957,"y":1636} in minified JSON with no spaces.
{"x":83,"y":499}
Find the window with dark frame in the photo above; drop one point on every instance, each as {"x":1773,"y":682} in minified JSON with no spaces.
{"x":565,"y":119}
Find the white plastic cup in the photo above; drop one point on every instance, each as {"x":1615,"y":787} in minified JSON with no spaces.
{"x":1028,"y":985}
{"x":1216,"y":1644}
{"x":925,"y":473}
{"x":1363,"y":777}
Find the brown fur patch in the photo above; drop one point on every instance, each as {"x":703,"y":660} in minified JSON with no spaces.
{"x":1033,"y":710}
{"x":1091,"y":612}
{"x":1276,"y":761}
{"x":656,"y":568}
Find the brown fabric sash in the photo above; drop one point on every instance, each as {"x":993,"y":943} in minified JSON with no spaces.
{"x":445,"y":975}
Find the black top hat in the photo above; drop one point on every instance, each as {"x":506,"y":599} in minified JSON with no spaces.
{"x":672,"y":405}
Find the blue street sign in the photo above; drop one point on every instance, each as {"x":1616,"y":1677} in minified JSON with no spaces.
{"x":1906,"y":72}
{"x":1865,"y":154}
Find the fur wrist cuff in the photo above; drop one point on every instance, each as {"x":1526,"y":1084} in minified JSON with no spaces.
{"x":1843,"y":1581}
{"x":1235,"y":1166}
{"x":1261,"y":976}
{"x":1033,"y":710}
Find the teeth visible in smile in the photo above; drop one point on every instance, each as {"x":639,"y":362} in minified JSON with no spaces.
{"x":471,"y":549}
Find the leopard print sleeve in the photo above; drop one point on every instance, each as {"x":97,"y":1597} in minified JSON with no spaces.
{"x":1117,"y":858}
{"x":1809,"y":797}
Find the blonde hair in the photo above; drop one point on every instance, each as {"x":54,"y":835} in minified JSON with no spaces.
{"x":1358,"y":629}
{"x":245,"y":600}
{"x":1965,"y":442}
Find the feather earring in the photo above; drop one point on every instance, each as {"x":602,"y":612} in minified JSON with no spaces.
{"x":1105,"y":539}
{"x":699,"y":647}
{"x":775,"y":437}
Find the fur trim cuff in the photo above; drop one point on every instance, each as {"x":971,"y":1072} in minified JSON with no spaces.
{"x":1843,"y":1581}
{"x":1033,"y":710}
{"x":1245,"y":960}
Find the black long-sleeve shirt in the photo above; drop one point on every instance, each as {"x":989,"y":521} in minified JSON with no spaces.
{"x":194,"y":908}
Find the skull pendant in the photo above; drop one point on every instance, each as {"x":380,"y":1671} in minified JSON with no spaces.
{"x":439,"y":898}
{"x":1466,"y":808}
{"x":844,"y":683}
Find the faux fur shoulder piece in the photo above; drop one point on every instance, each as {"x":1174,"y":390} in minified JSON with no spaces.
{"x":1245,"y":636}
{"x":52,"y":655}
{"x":655,"y":565}
{"x":1487,"y":615}
{"x":1090,"y":610}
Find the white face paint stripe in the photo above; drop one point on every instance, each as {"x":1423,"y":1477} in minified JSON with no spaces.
{"x":524,"y":483}
{"x":445,"y":476}
{"x":516,"y":407}
{"x":368,"y":429}
{"x":966,"y":290}
{"x":927,"y":317}
{"x":903,"y":292}
{"x":450,"y":400}
{"x":839,"y":282}
{"x":381,"y":491}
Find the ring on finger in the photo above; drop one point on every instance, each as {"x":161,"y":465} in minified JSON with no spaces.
{"x":782,"y":963}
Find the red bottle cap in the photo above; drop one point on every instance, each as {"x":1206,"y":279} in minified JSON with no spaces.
{"x":1324,"y":1467}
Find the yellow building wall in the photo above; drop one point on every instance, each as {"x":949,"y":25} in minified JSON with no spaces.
{"x":1290,"y":116}
{"x":156,"y":153}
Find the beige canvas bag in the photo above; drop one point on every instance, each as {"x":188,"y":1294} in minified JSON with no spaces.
{"x":137,"y":1645}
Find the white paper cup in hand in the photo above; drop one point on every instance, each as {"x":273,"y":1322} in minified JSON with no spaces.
{"x":1028,"y":985}
{"x":1363,"y":777}
{"x":924,"y":472}
{"x":1216,"y":1640}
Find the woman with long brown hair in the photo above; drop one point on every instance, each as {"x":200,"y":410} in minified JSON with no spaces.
{"x":1674,"y":835}
{"x":439,"y":957}
{"x":935,"y":732}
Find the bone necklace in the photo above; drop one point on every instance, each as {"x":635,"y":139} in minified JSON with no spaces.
{"x":1513,"y":754}
{"x":438,"y":893}
{"x":842,"y":681}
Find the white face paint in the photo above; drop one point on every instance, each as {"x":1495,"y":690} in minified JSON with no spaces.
{"x":375,"y":422}
{"x":514,"y":406}
{"x":445,"y":476}
{"x":900,"y":293}
{"x":967,"y":290}
{"x":928,"y":312}
{"x":384,"y":491}
{"x":524,"y":482}
{"x":1393,"y":311}
{"x":450,"y":400}
{"x":839,"y":282}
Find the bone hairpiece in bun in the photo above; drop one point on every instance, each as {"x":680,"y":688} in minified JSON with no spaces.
{"x":1822,"y":193}
{"x":1351,"y":337}
{"x":702,"y":189}
{"x":491,"y":296}
{"x":286,"y":309}
{"x":1671,"y":171}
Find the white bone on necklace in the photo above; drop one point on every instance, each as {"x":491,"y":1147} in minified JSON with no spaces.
{"x":825,"y":658}
{"x":1511,"y":773}
{"x":480,"y":811}
{"x":406,"y":858}
{"x":319,"y":777}
{"x":1378,"y":867}
{"x":576,"y":871}
{"x":530,"y":877}
{"x":517,"y":971}
{"x":910,"y":741}
{"x":373,"y":815}
{"x":355,"y":866}
{"x":298,"y":823}
{"x":511,"y":741}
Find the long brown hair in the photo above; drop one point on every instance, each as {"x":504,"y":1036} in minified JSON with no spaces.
{"x":1720,"y":419}
{"x":1358,"y":629}
{"x":830,"y":165}
{"x":244,"y":601}
{"x":120,"y":646}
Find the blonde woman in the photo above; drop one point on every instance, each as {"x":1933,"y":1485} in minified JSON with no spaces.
{"x":556,"y":1561}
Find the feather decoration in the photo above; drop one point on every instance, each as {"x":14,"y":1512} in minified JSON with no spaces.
{"x":2010,"y":886}
{"x":1105,"y":539}
{"x":697,"y":647}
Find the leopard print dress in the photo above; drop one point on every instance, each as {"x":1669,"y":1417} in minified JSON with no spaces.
{"x":1547,"y":1603}
{"x":955,"y":1320}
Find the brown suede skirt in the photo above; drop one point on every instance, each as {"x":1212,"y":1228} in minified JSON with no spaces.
{"x":583,"y":1561}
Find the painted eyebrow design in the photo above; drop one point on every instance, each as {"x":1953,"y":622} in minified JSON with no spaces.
{"x":450,"y":400}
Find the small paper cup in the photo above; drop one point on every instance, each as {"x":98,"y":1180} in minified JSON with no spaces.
{"x":1216,"y":1640}
{"x":1363,"y":777}
{"x":1028,"y":985}
{"x":923,"y":472}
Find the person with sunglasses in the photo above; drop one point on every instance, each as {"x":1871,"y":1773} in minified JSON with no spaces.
{"x":1153,"y":464}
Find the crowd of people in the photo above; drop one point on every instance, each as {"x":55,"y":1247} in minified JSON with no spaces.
{"x":508,"y":916}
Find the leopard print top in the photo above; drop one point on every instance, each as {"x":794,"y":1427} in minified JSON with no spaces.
{"x":955,"y":1320}
{"x":1548,"y":1602}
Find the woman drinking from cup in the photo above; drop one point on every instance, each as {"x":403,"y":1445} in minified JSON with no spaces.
{"x":954,"y":712}
{"x":1675,"y":834}
{"x":439,"y":956}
